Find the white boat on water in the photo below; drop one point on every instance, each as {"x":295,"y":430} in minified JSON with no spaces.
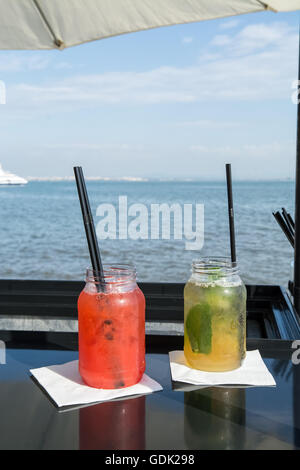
{"x":7,"y":178}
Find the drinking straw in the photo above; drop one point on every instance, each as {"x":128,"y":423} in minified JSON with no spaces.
{"x":230,"y":212}
{"x":283,"y":227}
{"x":93,"y":249}
{"x":89,"y":227}
{"x":287,"y":220}
{"x":291,"y":220}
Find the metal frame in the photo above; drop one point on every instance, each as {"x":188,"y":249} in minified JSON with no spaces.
{"x":270,"y":313}
{"x":296,"y":288}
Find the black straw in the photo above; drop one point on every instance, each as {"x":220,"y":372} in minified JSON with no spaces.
{"x":288,"y":221}
{"x":89,"y":226}
{"x":284,"y":227}
{"x":230,"y":212}
{"x":291,"y":220}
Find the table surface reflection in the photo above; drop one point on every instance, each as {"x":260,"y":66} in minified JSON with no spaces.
{"x":179,"y":417}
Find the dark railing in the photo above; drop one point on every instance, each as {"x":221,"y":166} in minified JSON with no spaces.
{"x":270,"y":314}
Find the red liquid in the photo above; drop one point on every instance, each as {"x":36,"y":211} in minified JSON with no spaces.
{"x":111,"y":331}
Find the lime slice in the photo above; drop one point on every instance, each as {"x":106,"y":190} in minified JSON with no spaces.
{"x":198,"y":327}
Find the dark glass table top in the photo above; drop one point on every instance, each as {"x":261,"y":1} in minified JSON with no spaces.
{"x":177,"y":418}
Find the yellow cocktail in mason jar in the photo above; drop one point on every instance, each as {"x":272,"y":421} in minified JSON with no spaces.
{"x":214,"y":316}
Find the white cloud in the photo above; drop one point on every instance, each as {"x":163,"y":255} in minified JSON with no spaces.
{"x":257,"y":63}
{"x":118,"y":147}
{"x":221,"y":40}
{"x":63,"y":65}
{"x":13,"y":62}
{"x":256,"y":37}
{"x":250,"y":161}
{"x":229,"y":24}
{"x":266,"y":151}
{"x":208,"y":124}
{"x":187,"y":40}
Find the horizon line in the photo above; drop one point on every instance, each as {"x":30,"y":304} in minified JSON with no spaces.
{"x":155,"y":178}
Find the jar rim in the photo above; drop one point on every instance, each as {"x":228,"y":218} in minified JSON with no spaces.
{"x":113,"y":274}
{"x":212,"y":264}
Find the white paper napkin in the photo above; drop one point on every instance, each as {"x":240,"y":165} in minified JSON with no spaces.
{"x":66,"y":387}
{"x":253,"y":372}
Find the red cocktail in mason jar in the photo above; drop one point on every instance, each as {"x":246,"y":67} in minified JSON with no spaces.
{"x":111,"y":329}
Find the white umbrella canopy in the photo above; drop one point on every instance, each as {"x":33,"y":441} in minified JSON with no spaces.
{"x":49,"y":24}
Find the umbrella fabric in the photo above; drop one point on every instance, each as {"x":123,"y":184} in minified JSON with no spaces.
{"x":48,"y":24}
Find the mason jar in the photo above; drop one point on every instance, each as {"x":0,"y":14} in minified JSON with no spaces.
{"x":111,"y":329}
{"x":214,"y":316}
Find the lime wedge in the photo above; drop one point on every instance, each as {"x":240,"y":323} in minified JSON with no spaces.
{"x":198,"y":327}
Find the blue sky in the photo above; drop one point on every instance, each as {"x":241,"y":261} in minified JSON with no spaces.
{"x":175,"y":102}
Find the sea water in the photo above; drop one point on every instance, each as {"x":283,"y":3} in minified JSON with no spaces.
{"x":42,"y":234}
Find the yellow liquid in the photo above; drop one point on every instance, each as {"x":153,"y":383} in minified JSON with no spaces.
{"x":227,"y":307}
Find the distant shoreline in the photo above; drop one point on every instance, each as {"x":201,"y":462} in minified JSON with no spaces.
{"x":146,"y":180}
{"x":88,"y":178}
